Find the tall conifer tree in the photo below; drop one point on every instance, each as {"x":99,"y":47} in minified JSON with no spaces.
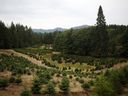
{"x":101,"y":36}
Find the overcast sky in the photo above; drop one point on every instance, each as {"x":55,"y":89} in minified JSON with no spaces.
{"x":62,"y":13}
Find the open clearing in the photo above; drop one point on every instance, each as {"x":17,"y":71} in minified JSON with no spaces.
{"x":76,"y":77}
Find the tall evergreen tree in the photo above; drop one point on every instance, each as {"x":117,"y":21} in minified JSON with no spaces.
{"x":101,"y":18}
{"x":100,"y":36}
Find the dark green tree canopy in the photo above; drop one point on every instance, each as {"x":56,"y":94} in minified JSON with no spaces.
{"x":17,"y":36}
{"x":101,"y":18}
{"x":98,"y":41}
{"x":100,"y":36}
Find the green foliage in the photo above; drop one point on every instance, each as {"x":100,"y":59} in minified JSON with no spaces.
{"x":100,"y":63}
{"x":17,"y":36}
{"x":3,"y":83}
{"x":25,"y":93}
{"x":81,"y":81}
{"x":77,"y":79}
{"x":94,"y":40}
{"x":98,"y":41}
{"x":64,"y":86}
{"x":124,"y":50}
{"x":77,"y":70}
{"x":12,"y":79}
{"x":4,"y":38}
{"x":72,"y":42}
{"x":104,"y":87}
{"x":36,"y":87}
{"x":50,"y":90}
{"x":99,"y":37}
{"x":64,"y":74}
{"x":58,"y":75}
{"x":18,"y":80}
{"x":101,"y":19}
{"x":44,"y":76}
{"x":91,"y":82}
{"x":48,"y":38}
{"x":17,"y":65}
{"x":111,"y":84}
{"x":85,"y":85}
{"x":34,"y":52}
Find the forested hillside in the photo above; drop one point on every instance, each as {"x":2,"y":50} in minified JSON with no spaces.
{"x":17,"y":36}
{"x":74,"y":41}
{"x":100,"y":41}
{"x":80,"y":42}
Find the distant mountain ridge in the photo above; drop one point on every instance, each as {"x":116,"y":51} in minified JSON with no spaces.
{"x":80,"y":27}
{"x":58,"y":29}
{"x":48,"y":30}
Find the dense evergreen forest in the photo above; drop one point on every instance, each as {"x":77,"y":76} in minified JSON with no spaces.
{"x":99,"y":41}
{"x":17,"y":36}
{"x":84,"y":41}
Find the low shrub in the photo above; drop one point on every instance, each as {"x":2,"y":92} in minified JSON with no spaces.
{"x":3,"y":83}
{"x":85,"y":85}
{"x":25,"y":93}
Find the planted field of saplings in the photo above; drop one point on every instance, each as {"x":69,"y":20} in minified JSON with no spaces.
{"x":80,"y":71}
{"x":35,"y":79}
{"x":99,"y":63}
{"x":34,"y":52}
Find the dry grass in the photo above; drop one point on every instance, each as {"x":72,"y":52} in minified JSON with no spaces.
{"x":75,"y":86}
{"x":16,"y":89}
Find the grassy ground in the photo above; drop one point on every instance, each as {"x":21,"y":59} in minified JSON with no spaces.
{"x":24,"y":66}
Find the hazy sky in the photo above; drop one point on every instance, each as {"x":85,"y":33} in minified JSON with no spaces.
{"x":62,"y":13}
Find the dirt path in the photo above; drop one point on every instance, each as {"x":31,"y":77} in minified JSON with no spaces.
{"x":116,"y":66}
{"x":39,"y":63}
{"x":31,"y":59}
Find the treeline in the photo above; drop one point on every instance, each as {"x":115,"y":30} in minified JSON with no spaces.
{"x":98,"y":41}
{"x":83,"y":41}
{"x":48,"y":38}
{"x":17,"y":36}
